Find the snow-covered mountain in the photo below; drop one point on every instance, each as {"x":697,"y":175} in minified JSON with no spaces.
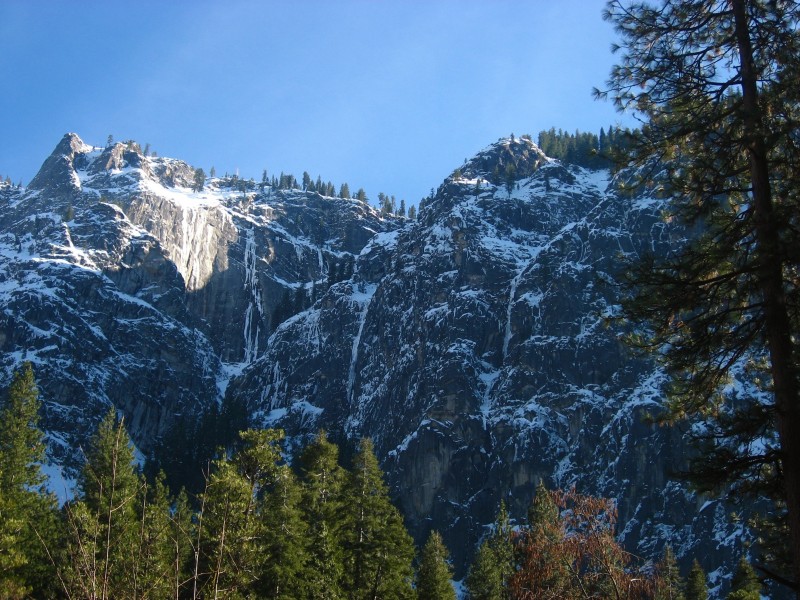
{"x":125,"y":287}
{"x":473,"y":344}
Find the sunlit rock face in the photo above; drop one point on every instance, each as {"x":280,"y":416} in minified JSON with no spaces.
{"x":476,"y":345}
{"x":126,"y":287}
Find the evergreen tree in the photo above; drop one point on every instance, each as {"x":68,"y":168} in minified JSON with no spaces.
{"x":344,"y":191}
{"x":377,"y":548}
{"x":21,"y":441}
{"x":228,"y":536}
{"x":726,"y":128}
{"x":361,"y":195}
{"x":483,"y":580}
{"x":412,"y":212}
{"x":544,"y":561}
{"x":433,"y":578}
{"x":669,"y":585}
{"x":103,"y":524}
{"x":745,"y":584}
{"x":283,"y":573}
{"x":696,"y":588}
{"x":323,"y":482}
{"x":489,"y":575}
{"x":199,"y":180}
{"x":306,"y":181}
{"x":401,"y":212}
{"x":28,"y":525}
{"x":156,"y":552}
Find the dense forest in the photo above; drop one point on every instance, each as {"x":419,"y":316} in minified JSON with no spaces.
{"x":262,"y":528}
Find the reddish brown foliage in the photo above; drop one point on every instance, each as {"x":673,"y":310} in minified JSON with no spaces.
{"x":569,"y":551}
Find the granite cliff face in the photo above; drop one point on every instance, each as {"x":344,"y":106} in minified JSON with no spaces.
{"x":125,"y":287}
{"x":473,"y":345}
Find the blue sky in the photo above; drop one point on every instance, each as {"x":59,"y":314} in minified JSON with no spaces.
{"x":390,"y":96}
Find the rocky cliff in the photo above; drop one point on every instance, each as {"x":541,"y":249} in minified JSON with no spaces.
{"x":475,"y":345}
{"x":126,"y":287}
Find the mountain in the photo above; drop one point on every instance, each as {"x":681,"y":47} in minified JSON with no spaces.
{"x":126,"y":288}
{"x":475,"y":345}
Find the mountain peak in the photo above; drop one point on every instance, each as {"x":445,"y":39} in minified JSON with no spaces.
{"x":508,"y":157}
{"x":57,"y":174}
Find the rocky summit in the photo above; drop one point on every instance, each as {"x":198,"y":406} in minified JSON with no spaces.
{"x":476,"y":345}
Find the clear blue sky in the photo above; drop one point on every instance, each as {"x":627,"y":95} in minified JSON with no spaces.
{"x":386,"y":95}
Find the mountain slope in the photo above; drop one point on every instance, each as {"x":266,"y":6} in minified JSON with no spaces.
{"x":127,"y":288}
{"x":475,"y":345}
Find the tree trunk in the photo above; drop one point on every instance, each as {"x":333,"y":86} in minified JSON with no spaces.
{"x":771,"y":283}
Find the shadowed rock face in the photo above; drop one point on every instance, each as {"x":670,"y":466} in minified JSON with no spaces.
{"x":472,"y":345}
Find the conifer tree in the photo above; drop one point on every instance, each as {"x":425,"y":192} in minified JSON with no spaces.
{"x":433,"y":578}
{"x":103,"y":524}
{"x":344,"y":191}
{"x":28,"y":525}
{"x":745,"y":584}
{"x":282,"y":574}
{"x":228,"y":536}
{"x":544,"y":562}
{"x":669,"y":585}
{"x":323,"y":482}
{"x":724,"y":131}
{"x":377,"y":548}
{"x":696,"y":587}
{"x":488,"y":578}
{"x":155,"y":551}
{"x":483,"y":580}
{"x":199,"y":180}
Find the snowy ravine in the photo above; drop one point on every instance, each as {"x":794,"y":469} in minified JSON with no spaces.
{"x":472,"y":345}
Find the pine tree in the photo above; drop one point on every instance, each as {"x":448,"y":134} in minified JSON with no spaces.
{"x":28,"y":525}
{"x":283,"y":573}
{"x":696,"y":588}
{"x":488,"y":577}
{"x":199,"y":180}
{"x":669,"y":585}
{"x":323,"y":482}
{"x":745,"y":584}
{"x":724,"y":131}
{"x":483,"y":580}
{"x":377,"y":548}
{"x":544,"y":560}
{"x":433,"y":578}
{"x":412,"y":213}
{"x":155,"y":552}
{"x":344,"y":191}
{"x":229,"y":534}
{"x":103,"y":524}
